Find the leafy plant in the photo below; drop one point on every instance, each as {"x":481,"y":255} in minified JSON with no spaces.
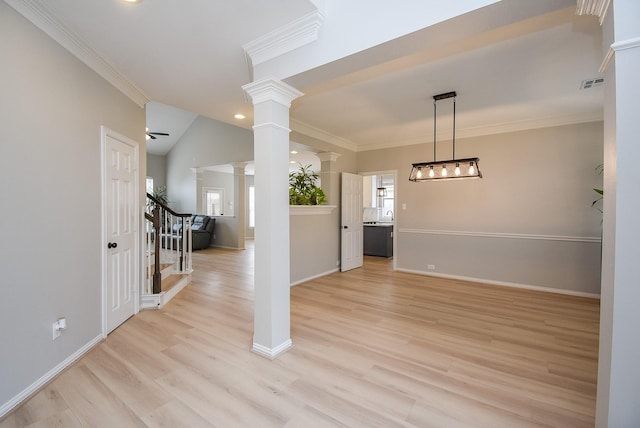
{"x":600,"y":169}
{"x":160,"y":193}
{"x":303,"y":189}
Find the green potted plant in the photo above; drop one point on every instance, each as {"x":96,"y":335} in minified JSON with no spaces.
{"x":600,"y":169}
{"x":160,"y":193}
{"x":303,"y":189}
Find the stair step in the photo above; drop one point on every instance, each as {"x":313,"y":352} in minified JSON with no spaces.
{"x":172,"y":280}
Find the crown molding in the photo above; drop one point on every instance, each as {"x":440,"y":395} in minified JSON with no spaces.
{"x":317,"y":133}
{"x":282,"y":40}
{"x":493,"y":129}
{"x":593,"y":7}
{"x":37,"y":13}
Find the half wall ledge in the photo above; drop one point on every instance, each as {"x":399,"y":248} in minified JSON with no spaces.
{"x":311,"y":209}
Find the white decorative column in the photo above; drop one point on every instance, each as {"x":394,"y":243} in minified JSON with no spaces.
{"x":271,"y":324}
{"x":329,"y":177}
{"x":239,"y":196}
{"x":618,"y":375}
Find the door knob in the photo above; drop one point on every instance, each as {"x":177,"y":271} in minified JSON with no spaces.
{"x":112,"y":245}
{"x":345,"y":227}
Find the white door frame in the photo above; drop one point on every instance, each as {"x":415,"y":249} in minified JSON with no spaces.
{"x":393,"y":172}
{"x":104,"y":133}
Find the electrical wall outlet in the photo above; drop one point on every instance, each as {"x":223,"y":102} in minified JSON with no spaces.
{"x":58,"y":327}
{"x":431,"y":267}
{"x":56,"y":330}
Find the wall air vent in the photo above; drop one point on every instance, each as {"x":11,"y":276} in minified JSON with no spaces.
{"x":592,"y":83}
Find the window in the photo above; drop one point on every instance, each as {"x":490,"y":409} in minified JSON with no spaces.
{"x":252,"y":206}
{"x":150,"y":185}
{"x":213,"y":201}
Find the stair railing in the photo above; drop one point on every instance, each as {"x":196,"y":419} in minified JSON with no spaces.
{"x":168,"y":239}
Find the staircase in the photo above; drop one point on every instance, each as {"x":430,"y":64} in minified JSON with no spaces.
{"x":167,"y":254}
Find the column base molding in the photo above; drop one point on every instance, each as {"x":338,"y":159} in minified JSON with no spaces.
{"x":272,"y":353}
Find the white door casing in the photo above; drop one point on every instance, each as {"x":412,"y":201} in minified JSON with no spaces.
{"x":120,"y":229}
{"x":351,"y":234}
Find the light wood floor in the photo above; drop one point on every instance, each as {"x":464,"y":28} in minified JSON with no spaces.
{"x":372,"y":348}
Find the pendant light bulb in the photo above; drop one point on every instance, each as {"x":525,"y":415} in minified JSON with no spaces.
{"x":419,"y":173}
{"x":444,"y":170}
{"x":431,"y":173}
{"x":457,"y":170}
{"x":472,"y":170}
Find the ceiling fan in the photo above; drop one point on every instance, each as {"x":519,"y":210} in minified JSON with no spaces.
{"x":152,"y":135}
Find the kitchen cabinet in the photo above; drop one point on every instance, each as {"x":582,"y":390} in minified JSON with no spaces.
{"x":378,"y":240}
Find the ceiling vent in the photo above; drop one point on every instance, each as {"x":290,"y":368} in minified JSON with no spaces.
{"x":592,"y":83}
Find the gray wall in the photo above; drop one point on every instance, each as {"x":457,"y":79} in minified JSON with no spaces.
{"x":51,"y":110}
{"x":529,"y":221}
{"x":157,"y":168}
{"x":315,"y":239}
{"x":207,"y":142}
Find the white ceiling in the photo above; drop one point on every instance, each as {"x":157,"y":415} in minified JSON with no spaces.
{"x":512,"y":66}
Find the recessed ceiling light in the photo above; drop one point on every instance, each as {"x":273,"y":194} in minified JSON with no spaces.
{"x":239,"y":116}
{"x":132,"y":1}
{"x":293,"y":152}
{"x":292,"y":162}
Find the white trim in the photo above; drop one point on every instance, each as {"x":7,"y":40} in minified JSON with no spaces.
{"x":615,"y":47}
{"x":151,"y":301}
{"x":272,"y":353}
{"x":271,"y":89}
{"x":328,"y":157}
{"x":271,"y":125}
{"x":626,"y":44}
{"x":607,"y":60}
{"x":49,"y":376}
{"x":280,"y":41}
{"x":593,"y":7}
{"x":311,"y":209}
{"x":317,"y":133}
{"x":504,"y":283}
{"x":493,"y":129}
{"x":320,"y":275}
{"x":226,"y":246}
{"x":593,"y":239}
{"x":37,"y":13}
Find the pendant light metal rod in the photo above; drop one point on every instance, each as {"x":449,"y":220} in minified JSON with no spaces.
{"x":435,"y":106}
{"x":454,"y":127}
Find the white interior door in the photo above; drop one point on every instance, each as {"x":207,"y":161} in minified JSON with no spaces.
{"x":121,"y":231}
{"x":351,"y":235}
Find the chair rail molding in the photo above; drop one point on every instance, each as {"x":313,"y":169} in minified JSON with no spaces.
{"x":593,"y":239}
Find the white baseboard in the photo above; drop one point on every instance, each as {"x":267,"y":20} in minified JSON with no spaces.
{"x":329,"y":272}
{"x":504,"y":284}
{"x":226,"y":247}
{"x":49,"y":376}
{"x":151,"y":301}
{"x":272,"y":353}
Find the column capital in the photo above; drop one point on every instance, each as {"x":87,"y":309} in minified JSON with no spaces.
{"x":270,"y":89}
{"x":239,"y":165}
{"x":328,"y":156}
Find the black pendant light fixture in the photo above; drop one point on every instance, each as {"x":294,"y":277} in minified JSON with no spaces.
{"x":445,"y":169}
